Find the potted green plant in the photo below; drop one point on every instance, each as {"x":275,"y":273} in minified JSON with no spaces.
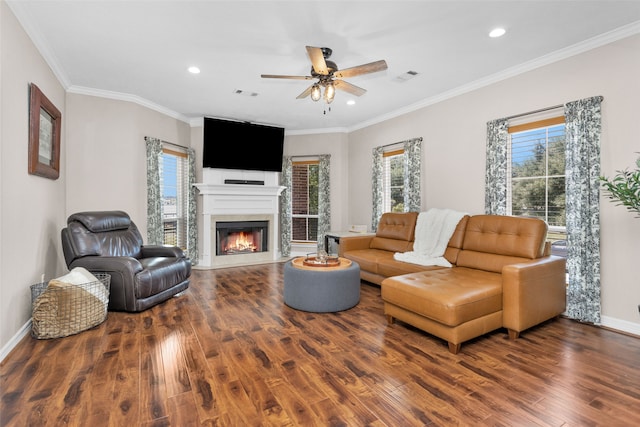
{"x":624,"y":188}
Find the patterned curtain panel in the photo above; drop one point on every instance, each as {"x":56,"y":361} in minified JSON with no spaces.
{"x":192,"y":220}
{"x":495,"y":193}
{"x":154,"y":195}
{"x":583,"y":208}
{"x":412,"y":159}
{"x":377,"y":196}
{"x":285,"y":207}
{"x":324,"y":199}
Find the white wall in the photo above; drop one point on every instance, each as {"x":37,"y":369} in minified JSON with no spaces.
{"x":31,"y":208}
{"x":336,"y":145}
{"x":106,"y":161}
{"x":454,"y":133}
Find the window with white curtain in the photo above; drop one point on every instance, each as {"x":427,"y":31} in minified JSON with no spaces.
{"x":174,"y":173}
{"x":536,"y":176}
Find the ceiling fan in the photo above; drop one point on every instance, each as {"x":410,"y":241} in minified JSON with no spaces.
{"x":329,"y":75}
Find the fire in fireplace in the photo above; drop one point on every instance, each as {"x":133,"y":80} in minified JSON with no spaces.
{"x":241,"y":237}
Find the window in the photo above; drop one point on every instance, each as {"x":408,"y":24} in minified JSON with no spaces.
{"x":304,"y":195}
{"x":536,"y":167}
{"x":393,"y":181}
{"x":174,"y":188}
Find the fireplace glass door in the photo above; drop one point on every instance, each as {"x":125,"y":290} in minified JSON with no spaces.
{"x":241,"y":237}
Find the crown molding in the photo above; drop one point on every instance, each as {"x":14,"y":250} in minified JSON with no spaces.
{"x":584,"y":46}
{"x":22,"y":15}
{"x":578,"y":48}
{"x":81,"y":90}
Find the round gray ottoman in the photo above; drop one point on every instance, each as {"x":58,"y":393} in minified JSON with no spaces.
{"x":320,"y":289}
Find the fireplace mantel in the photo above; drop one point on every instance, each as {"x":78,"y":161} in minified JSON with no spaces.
{"x":237,"y":200}
{"x":240,"y":190}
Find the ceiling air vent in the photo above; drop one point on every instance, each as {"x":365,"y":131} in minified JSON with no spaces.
{"x":244,"y":92}
{"x":406,"y":76}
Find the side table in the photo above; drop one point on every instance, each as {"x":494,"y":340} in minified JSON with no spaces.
{"x":334,"y":236}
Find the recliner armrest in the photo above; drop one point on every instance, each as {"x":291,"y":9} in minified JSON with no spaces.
{"x":152,"y":251}
{"x":123,"y":271}
{"x":108,"y":264}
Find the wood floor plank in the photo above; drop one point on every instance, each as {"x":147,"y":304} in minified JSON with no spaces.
{"x":202,"y":379}
{"x":153,"y":394}
{"x":229,"y":352}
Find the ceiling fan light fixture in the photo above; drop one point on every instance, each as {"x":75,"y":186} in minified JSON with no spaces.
{"x":329,"y":92}
{"x":329,"y":77}
{"x":315,"y":92}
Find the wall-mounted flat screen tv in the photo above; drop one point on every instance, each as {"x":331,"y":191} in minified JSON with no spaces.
{"x":229,"y":144}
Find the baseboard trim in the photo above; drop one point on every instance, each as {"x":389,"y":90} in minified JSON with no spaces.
{"x":6,"y":349}
{"x":623,"y":326}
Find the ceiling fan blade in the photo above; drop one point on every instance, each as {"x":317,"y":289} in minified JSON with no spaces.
{"x":348,"y":87}
{"x":371,"y":67}
{"x":306,"y":93}
{"x":277,"y":76}
{"x":317,"y":60}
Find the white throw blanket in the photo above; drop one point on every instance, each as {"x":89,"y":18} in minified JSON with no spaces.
{"x":80,"y":276}
{"x":434,"y":229}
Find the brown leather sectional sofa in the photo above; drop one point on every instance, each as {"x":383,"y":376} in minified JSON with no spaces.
{"x":502,"y":276}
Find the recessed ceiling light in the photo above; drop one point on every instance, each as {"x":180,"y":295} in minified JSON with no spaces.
{"x":497,"y":32}
{"x":351,"y":102}
{"x":194,"y":70}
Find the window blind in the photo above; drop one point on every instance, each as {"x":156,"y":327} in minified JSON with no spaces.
{"x":174,"y":174}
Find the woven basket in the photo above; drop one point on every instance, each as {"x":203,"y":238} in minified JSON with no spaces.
{"x":62,"y":309}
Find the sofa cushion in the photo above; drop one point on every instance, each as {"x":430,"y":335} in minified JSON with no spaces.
{"x":389,"y":266}
{"x":391,"y":245}
{"x":368,"y":259}
{"x":398,"y":226}
{"x":493,"y":241}
{"x":506,"y":235}
{"x":450,"y":296}
{"x":455,"y":243}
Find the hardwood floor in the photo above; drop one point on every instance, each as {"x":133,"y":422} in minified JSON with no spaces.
{"x":229,"y":352}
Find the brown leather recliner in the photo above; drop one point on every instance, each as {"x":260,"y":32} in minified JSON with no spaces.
{"x":141,"y":275}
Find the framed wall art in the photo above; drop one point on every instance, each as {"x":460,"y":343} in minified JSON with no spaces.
{"x":45,"y":123}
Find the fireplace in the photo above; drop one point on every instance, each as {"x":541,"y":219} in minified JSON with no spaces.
{"x":241,"y":237}
{"x":243,"y":204}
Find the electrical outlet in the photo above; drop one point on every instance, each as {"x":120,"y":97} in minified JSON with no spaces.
{"x":42,"y":278}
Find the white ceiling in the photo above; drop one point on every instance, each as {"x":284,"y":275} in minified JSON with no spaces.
{"x":140,"y":51}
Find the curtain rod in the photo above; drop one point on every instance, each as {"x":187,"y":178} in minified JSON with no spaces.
{"x":401,"y":142}
{"x":176,"y":145}
{"x":534,"y":112}
{"x":146,"y":138}
{"x":309,"y":155}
